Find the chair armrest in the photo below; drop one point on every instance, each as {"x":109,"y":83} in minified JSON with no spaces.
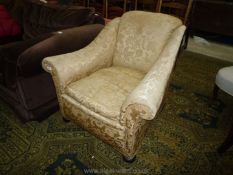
{"x":62,"y":42}
{"x":146,"y":98}
{"x":70,"y":67}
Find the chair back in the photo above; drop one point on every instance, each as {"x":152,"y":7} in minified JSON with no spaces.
{"x":141,"y":38}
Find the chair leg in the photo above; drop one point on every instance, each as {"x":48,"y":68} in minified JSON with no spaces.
{"x":129,"y":159}
{"x":227,"y":143}
{"x":65,"y":120}
{"x":215,"y":92}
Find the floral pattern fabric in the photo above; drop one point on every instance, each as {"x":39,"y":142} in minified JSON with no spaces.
{"x":115,"y":86}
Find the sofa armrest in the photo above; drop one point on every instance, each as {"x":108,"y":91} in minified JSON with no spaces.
{"x":146,"y":98}
{"x":98,"y":19}
{"x":62,"y":42}
{"x":70,"y":67}
{"x":9,"y":55}
{"x":12,"y":51}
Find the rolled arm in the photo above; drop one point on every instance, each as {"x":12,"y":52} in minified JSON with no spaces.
{"x":146,"y":98}
{"x":9,"y":55}
{"x":13,"y":50}
{"x":73,"y":66}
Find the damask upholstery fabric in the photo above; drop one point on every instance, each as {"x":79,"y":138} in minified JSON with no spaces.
{"x":105,"y":90}
{"x":141,"y":38}
{"x":97,"y":55}
{"x":107,"y":130}
{"x":149,"y":93}
{"x":115,"y":85}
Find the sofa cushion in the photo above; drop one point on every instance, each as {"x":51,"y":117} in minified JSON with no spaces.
{"x":105,"y":90}
{"x":40,"y":18}
{"x":8,"y":26}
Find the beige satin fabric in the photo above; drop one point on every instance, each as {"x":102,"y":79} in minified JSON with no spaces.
{"x":115,"y":86}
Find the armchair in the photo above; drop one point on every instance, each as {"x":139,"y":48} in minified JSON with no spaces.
{"x":114,"y":87}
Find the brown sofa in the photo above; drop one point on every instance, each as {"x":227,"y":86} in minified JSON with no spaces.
{"x":47,"y":30}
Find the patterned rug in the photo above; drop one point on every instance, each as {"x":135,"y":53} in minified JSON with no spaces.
{"x":182,"y":140}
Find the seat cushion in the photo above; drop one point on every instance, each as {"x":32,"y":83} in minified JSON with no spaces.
{"x":105,"y":90}
{"x":224,"y":79}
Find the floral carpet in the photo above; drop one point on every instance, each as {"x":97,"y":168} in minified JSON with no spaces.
{"x":182,"y":139}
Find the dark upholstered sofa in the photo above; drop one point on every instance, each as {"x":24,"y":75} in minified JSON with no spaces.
{"x":47,"y":30}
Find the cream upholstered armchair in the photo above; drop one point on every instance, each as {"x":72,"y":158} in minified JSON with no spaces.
{"x":113,"y":88}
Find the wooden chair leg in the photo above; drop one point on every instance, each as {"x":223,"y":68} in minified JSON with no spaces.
{"x":227,"y":143}
{"x":135,"y":4}
{"x":106,"y":8}
{"x":158,"y":6}
{"x":215,"y":92}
